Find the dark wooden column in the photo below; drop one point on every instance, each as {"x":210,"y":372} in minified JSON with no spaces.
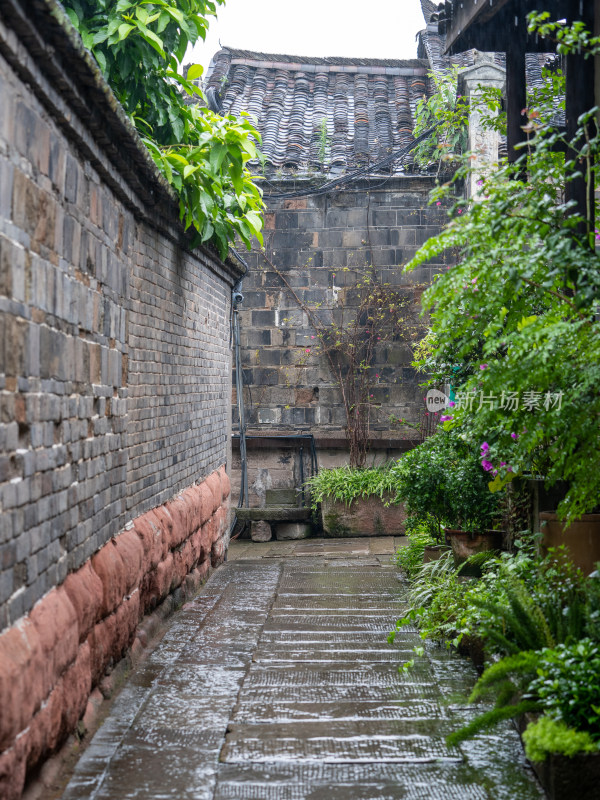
{"x":516,"y":87}
{"x":580,"y":97}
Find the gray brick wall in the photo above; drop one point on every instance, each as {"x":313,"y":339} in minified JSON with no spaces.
{"x":114,"y":338}
{"x":320,"y":246}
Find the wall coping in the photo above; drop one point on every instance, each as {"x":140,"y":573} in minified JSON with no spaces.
{"x":45,"y":50}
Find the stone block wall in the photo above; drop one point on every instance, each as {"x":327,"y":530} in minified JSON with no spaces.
{"x":115,"y":376}
{"x":317,"y":248}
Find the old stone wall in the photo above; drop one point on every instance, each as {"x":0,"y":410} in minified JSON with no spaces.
{"x":317,"y":250}
{"x":115,"y":376}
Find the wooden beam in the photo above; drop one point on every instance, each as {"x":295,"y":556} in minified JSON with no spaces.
{"x":467,"y":12}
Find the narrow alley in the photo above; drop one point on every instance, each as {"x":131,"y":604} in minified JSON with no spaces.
{"x":277,"y":682}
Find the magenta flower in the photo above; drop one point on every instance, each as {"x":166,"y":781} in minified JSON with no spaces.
{"x":446,"y":418}
{"x":451,"y":403}
{"x":514,"y":435}
{"x":484,"y":448}
{"x":439,"y":203}
{"x":483,"y":366}
{"x":487,"y":465}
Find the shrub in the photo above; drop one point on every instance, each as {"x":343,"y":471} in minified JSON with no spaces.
{"x":442,"y":483}
{"x":568,"y":685}
{"x":547,"y":736}
{"x":346,"y":484}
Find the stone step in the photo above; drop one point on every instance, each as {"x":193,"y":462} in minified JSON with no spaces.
{"x":273,"y":514}
{"x":283,"y":497}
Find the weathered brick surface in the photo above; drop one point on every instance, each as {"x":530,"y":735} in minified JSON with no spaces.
{"x":114,"y":349}
{"x":115,"y":378}
{"x":320,"y":246}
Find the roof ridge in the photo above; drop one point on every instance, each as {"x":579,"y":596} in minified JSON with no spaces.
{"x":251,"y":55}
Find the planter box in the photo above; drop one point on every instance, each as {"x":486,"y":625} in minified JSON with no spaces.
{"x":565,"y":778}
{"x":465,"y":545}
{"x":581,"y":538}
{"x":433,"y":552}
{"x":364,"y":517}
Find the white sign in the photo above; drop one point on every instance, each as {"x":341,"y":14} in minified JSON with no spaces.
{"x":436,"y":400}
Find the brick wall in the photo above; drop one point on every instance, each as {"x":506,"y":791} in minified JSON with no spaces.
{"x":114,"y":354}
{"x":115,"y":379}
{"x":320,"y":246}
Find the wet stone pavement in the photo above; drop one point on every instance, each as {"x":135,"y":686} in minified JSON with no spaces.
{"x":277,"y":683}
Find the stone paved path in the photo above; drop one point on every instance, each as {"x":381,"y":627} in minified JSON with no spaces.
{"x":277,"y":683}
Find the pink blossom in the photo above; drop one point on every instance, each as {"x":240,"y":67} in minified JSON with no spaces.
{"x":484,"y":448}
{"x":514,"y":435}
{"x":446,"y":418}
{"x":438,"y":203}
{"x":487,"y":465}
{"x":307,"y":350}
{"x":312,"y":337}
{"x":451,"y":403}
{"x":376,"y":375}
{"x":483,"y":366}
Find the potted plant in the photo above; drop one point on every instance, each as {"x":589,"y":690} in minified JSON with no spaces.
{"x":357,"y":502}
{"x":442,"y":482}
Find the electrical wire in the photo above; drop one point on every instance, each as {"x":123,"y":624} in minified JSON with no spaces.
{"x":367,"y":171}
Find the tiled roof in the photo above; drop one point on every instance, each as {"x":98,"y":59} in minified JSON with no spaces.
{"x":318,"y":114}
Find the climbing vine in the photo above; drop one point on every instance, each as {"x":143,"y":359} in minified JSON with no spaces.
{"x":371,"y":315}
{"x":139,"y":47}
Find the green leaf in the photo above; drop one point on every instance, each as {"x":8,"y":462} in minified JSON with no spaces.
{"x":189,"y":170}
{"x":124,"y":30}
{"x":73,"y":17}
{"x":195,"y":72}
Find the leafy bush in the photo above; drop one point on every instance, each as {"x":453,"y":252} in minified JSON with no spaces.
{"x":568,"y":685}
{"x":346,"y":484}
{"x":442,"y":482}
{"x":139,"y":47}
{"x":410,"y":557}
{"x":515,"y":324}
{"x":547,"y":736}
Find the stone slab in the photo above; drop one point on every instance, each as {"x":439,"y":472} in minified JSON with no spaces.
{"x":277,"y":683}
{"x":286,"y":531}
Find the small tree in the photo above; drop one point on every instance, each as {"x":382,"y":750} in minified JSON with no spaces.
{"x":350,"y":340}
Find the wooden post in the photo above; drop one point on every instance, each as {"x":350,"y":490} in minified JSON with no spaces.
{"x":516,"y":91}
{"x":580,"y":97}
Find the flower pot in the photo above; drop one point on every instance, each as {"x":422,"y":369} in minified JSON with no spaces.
{"x":464,"y":545}
{"x":365,"y":516}
{"x":433,"y":552}
{"x":581,"y":538}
